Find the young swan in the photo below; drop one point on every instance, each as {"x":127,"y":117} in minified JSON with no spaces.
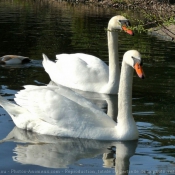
{"x":14,"y":59}
{"x":59,"y":111}
{"x":89,"y":73}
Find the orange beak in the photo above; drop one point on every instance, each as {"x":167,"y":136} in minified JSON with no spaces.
{"x":139,"y":70}
{"x":130,"y":32}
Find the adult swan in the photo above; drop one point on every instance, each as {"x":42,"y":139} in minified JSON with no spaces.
{"x":89,"y":73}
{"x":59,"y":111}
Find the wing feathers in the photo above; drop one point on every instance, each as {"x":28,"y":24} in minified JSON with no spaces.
{"x":62,"y":107}
{"x":11,"y":108}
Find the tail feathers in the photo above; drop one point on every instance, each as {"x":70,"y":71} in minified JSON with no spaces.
{"x":48,"y":65}
{"x":45,"y":58}
{"x":13,"y":109}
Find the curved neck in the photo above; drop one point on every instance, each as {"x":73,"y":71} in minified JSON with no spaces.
{"x":114,"y":70}
{"x":125,"y":93}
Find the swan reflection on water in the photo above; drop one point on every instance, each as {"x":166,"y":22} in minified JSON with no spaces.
{"x":55,"y":152}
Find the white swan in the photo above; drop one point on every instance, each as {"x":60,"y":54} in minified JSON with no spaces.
{"x":14,"y":59}
{"x":55,"y":110}
{"x":89,"y":73}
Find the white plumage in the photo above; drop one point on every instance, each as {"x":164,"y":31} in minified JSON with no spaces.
{"x":86,"y":72}
{"x":62,"y":112}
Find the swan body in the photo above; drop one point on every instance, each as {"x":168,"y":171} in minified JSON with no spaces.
{"x":87,"y":72}
{"x":14,"y":59}
{"x":59,"y":111}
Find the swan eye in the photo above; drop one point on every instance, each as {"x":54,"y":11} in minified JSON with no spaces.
{"x":136,"y":60}
{"x":125,"y":22}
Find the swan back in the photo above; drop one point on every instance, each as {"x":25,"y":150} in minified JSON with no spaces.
{"x":65,"y":112}
{"x":78,"y":71}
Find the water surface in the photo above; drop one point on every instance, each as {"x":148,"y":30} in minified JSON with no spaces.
{"x":31,"y":28}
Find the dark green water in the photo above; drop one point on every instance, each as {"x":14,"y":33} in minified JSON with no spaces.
{"x":31,"y":28}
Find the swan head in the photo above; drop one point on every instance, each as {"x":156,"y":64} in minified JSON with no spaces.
{"x":119,"y":23}
{"x":133,"y":58}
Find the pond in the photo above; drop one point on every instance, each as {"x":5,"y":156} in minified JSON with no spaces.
{"x":31,"y":28}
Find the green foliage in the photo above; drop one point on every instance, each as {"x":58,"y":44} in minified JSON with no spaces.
{"x":154,"y":14}
{"x":169,"y":22}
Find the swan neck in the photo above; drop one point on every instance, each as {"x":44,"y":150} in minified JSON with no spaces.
{"x":125,"y":92}
{"x":114,"y":70}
